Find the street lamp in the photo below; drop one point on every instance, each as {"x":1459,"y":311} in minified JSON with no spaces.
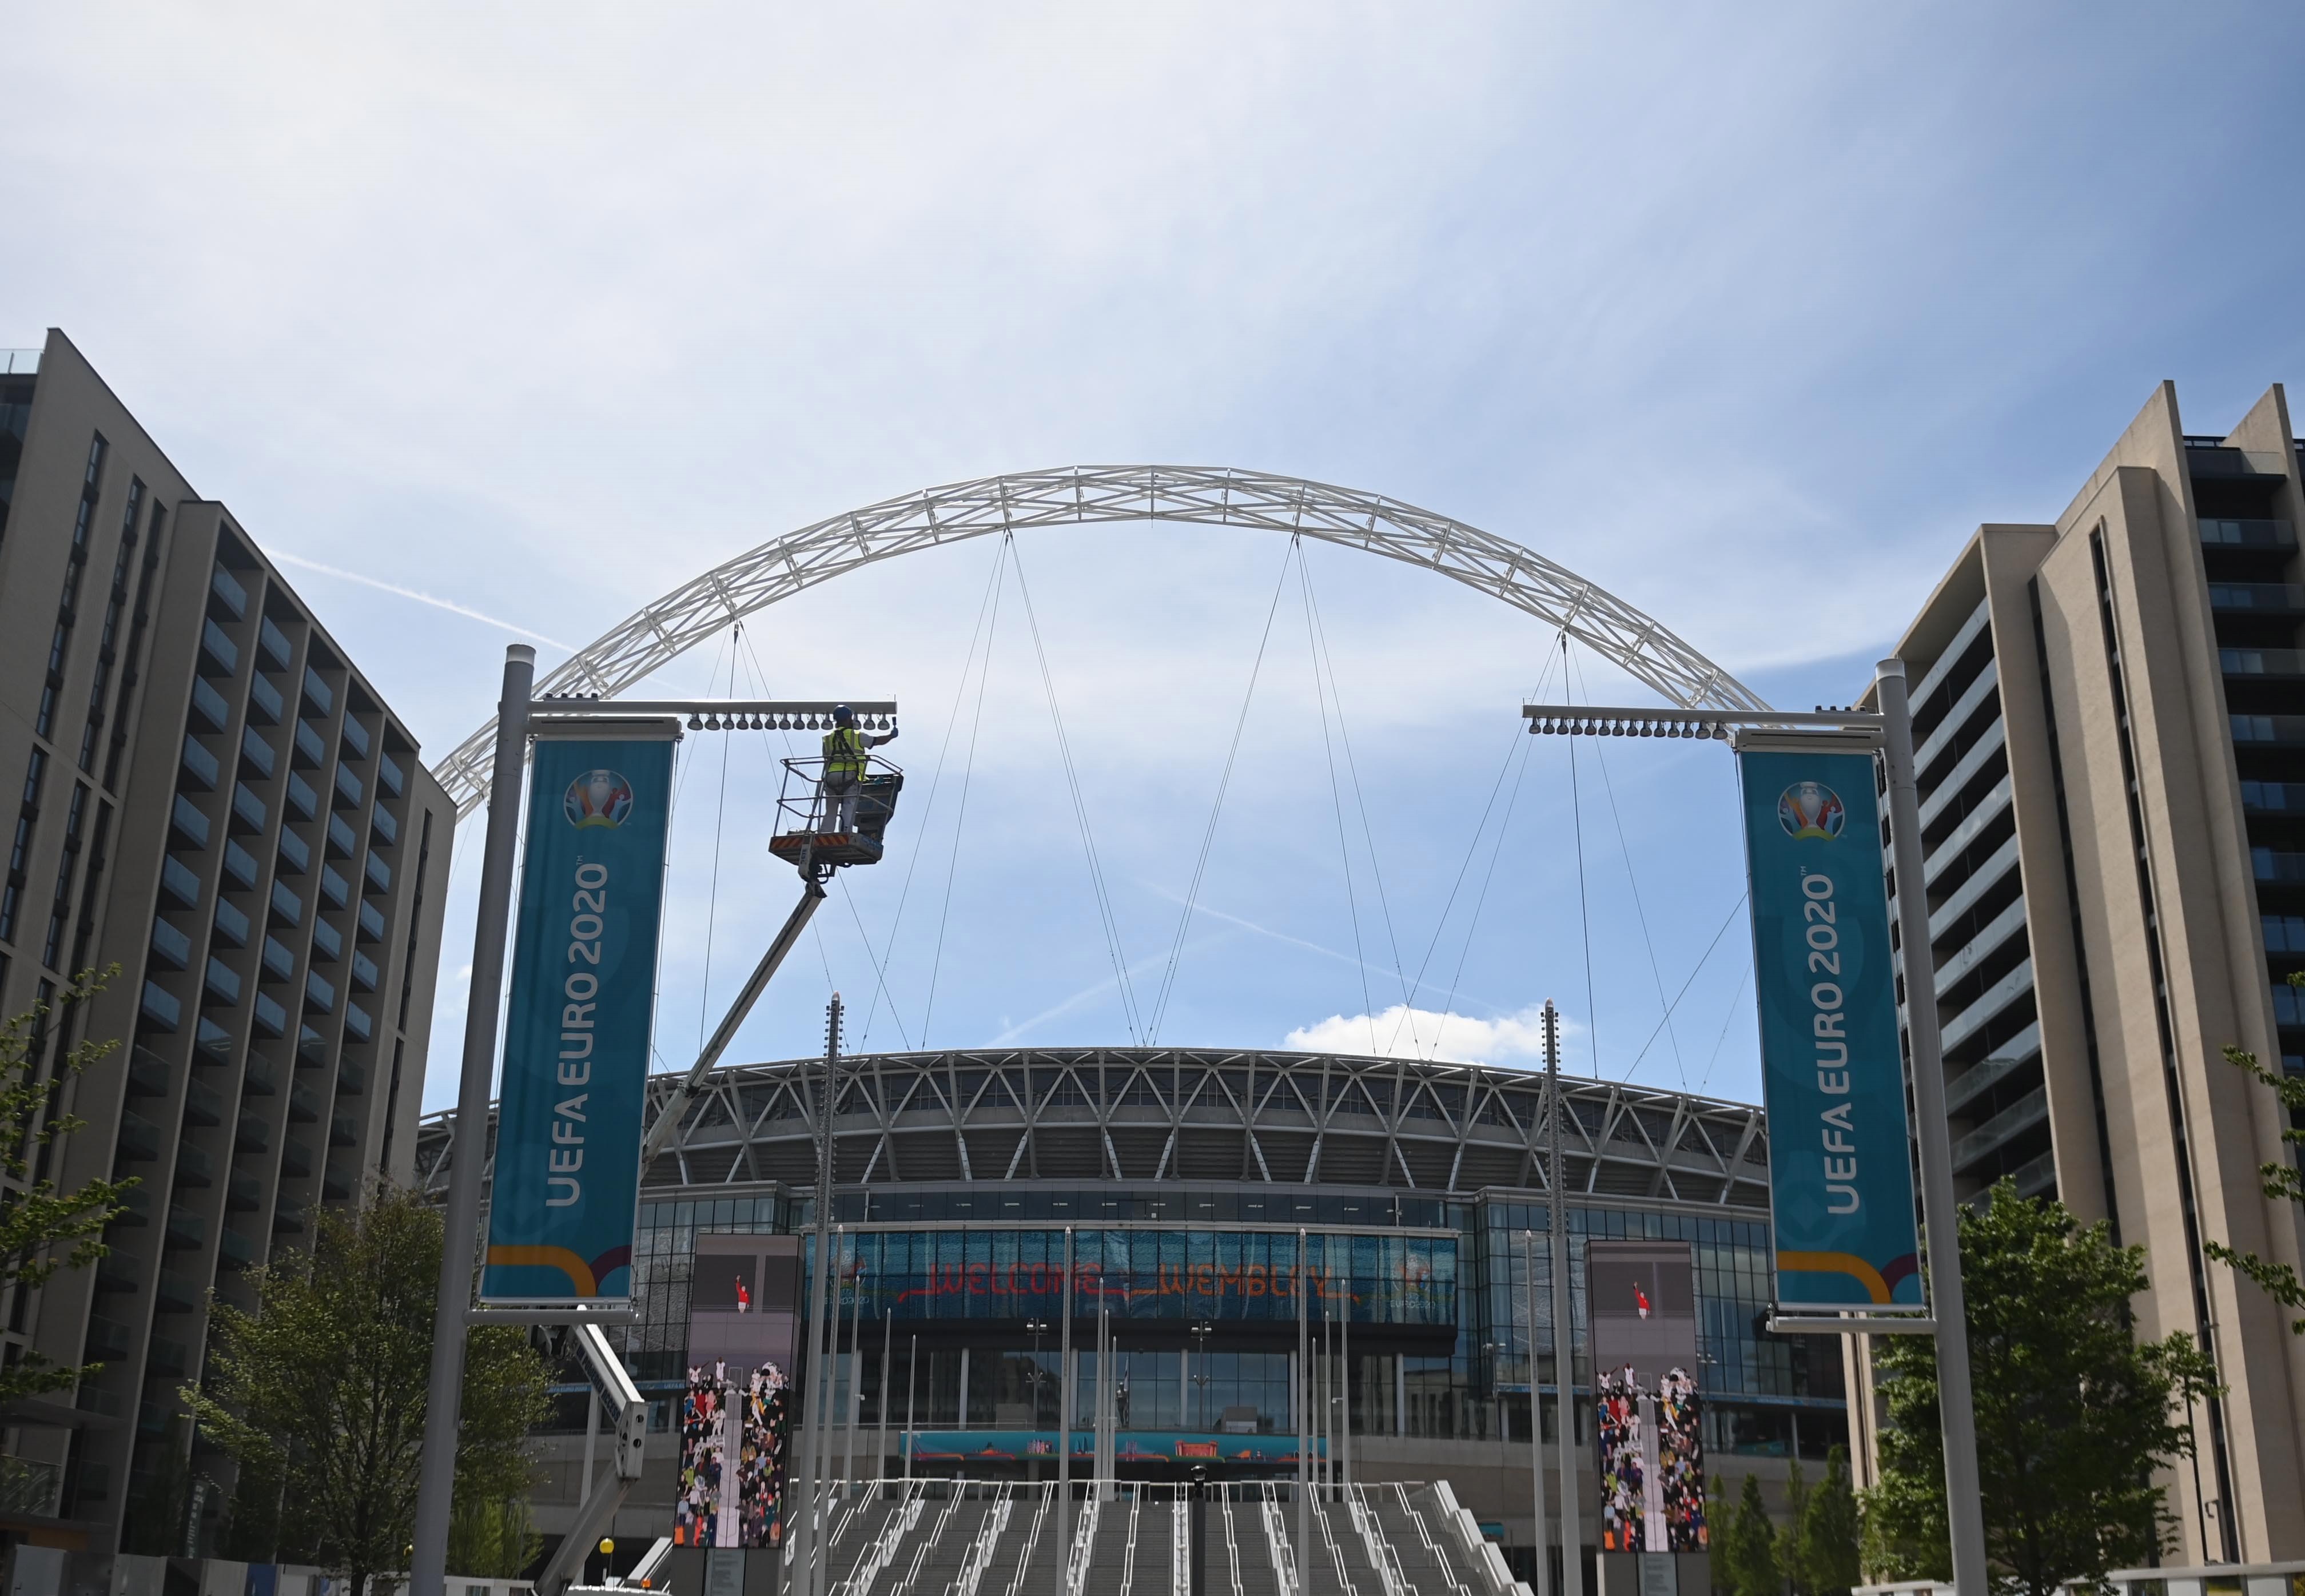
{"x":1496,"y":1350}
{"x":1202,"y":1330}
{"x":1037,"y":1377}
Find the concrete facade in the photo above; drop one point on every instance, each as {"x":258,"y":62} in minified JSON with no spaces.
{"x":2109,"y":728}
{"x":203,"y":791}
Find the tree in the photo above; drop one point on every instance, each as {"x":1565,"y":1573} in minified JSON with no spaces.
{"x":44,"y":1230}
{"x":323,"y":1385}
{"x":1829,"y":1531}
{"x":492,"y":1540}
{"x":2281,"y":1182}
{"x":2074,"y":1414}
{"x":1789,"y":1542}
{"x":1748,"y":1545}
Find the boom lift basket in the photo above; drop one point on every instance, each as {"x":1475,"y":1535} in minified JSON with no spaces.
{"x":807,"y":814}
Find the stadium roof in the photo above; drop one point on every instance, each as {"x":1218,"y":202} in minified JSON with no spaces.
{"x":1136,"y":1115}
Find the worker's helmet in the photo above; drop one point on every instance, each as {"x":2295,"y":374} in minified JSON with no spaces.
{"x":843,"y":714}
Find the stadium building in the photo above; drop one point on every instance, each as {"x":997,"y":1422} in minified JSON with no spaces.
{"x":1189,"y":1173}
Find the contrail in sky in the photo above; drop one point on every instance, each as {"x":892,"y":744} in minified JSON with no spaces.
{"x":394,"y":589}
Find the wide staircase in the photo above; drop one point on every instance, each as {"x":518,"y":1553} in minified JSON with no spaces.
{"x":979,"y":1538}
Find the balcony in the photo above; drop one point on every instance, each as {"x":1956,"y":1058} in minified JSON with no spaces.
{"x":239,"y":866}
{"x":1989,"y":1003}
{"x":2274,"y":730}
{"x":229,"y":593}
{"x":355,"y":737}
{"x":352,"y":1078}
{"x":271,"y":1019}
{"x":319,"y":701}
{"x":304,"y":1104}
{"x":364,"y":972}
{"x":211,"y":1043}
{"x":2019,"y":1117}
{"x":180,"y":881}
{"x":139,"y":1138}
{"x":259,"y":1080}
{"x":200,"y":767}
{"x":319,"y":997}
{"x":202,"y":1105}
{"x":343,"y":843}
{"x":311,"y":1049}
{"x":158,"y":1010}
{"x":328,"y":942}
{"x":244,"y":1195}
{"x":2272,"y":865}
{"x":232,"y":927}
{"x":2262,"y":662}
{"x":218,"y":655}
{"x":2257,"y":597}
{"x":264,"y":705}
{"x":288,"y":1217}
{"x":170,"y":946}
{"x":389,"y":776}
{"x":147,"y":1074}
{"x":247,"y":815}
{"x":302,"y":799}
{"x":208,"y":705}
{"x":371,"y":923}
{"x":386,"y":829}
{"x":234,"y":1250}
{"x":187,"y":825}
{"x":335,"y":888}
{"x":30,"y":1488}
{"x":279,"y":962}
{"x":185,"y":1230}
{"x":2248,"y":534}
{"x":348,"y":789}
{"x":273,"y":643}
{"x":296,"y":1157}
{"x":256,"y":757}
{"x":356,"y":1020}
{"x":176,"y":1294}
{"x":376,"y":875}
{"x":343,"y":1130}
{"x":194,"y":1168}
{"x":253,"y":1134}
{"x":108,"y":1338}
{"x":310,"y":752}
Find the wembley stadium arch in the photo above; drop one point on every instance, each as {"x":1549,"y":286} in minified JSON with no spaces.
{"x":659,"y":632}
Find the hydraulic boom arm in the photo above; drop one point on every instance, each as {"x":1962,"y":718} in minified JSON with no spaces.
{"x":623,"y":1399}
{"x":676,"y":1107}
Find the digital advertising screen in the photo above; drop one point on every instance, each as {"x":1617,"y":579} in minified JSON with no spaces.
{"x":1642,"y":1299}
{"x":739,"y":1408}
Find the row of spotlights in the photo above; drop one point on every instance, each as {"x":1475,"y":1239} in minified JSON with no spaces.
{"x":1585,"y":726}
{"x":779,"y":723}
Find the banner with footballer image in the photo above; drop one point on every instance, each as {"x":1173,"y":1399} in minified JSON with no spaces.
{"x":739,"y":1411}
{"x":565,"y":1190}
{"x":1840,"y":1173}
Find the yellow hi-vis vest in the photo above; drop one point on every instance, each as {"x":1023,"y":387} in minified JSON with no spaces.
{"x":844,"y":754}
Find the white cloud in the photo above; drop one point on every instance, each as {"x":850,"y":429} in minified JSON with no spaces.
{"x":1404,"y":1032}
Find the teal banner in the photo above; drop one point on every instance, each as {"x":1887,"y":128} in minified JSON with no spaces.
{"x":567,"y":1187}
{"x":1841,"y":1182}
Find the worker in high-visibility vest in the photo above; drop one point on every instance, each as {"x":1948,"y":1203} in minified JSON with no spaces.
{"x":844,"y":768}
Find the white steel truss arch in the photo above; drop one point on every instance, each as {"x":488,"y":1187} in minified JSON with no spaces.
{"x":659,"y":632}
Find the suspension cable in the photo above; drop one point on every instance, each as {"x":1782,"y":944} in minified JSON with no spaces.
{"x":1702,"y":960}
{"x":1208,"y":836}
{"x":1336,"y":799}
{"x":1736,"y":1000}
{"x":1321,"y":654}
{"x":1517,"y":749}
{"x":967,"y":775}
{"x":936,"y":781}
{"x":1105,"y":915}
{"x":1641,"y":914}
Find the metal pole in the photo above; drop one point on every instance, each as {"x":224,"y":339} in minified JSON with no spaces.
{"x":811,"y":1413}
{"x":1064,"y":1407}
{"x":1964,"y":1501}
{"x":856,"y":1359}
{"x":887,"y":1345}
{"x":1543,"y":1582}
{"x":437,"y":1472}
{"x":592,"y":1434}
{"x":1564,"y":1335}
{"x":1303,"y":1395}
{"x":911,"y":1385}
{"x":1345,"y":1377}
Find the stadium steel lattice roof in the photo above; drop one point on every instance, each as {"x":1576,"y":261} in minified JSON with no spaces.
{"x":1198,"y":1115}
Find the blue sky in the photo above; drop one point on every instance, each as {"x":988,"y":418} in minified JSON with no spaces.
{"x":1748,"y":314}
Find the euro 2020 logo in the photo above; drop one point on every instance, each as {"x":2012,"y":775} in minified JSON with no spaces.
{"x":1810,"y":809}
{"x":597,"y":798}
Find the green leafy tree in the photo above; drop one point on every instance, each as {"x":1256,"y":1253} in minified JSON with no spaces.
{"x":1829,"y":1530}
{"x":44,"y":1230}
{"x":492,"y":1540}
{"x":2074,"y":1414}
{"x":323,"y":1387}
{"x":1746,"y":1552}
{"x":1788,"y":1533}
{"x":2283,"y":1182}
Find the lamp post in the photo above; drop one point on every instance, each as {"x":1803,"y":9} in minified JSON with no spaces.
{"x":1202,"y":1330}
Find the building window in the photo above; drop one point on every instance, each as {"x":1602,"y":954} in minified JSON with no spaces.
{"x":19,"y":855}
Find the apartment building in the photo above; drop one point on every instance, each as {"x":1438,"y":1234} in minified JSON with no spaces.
{"x":208,"y":793}
{"x":2109,"y":716}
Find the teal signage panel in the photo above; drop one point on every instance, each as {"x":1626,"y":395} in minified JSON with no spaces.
{"x":566,"y":1192}
{"x":1841,"y":1182}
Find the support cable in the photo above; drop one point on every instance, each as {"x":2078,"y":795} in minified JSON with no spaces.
{"x":1208,"y":836}
{"x":967,"y":773}
{"x":1337,"y":802}
{"x":1640,"y":914}
{"x":1321,"y":655}
{"x":1517,"y":749}
{"x":1702,"y":959}
{"x":1105,"y":915}
{"x":1473,"y":926}
{"x":1736,"y":1000}
{"x":936,"y":781}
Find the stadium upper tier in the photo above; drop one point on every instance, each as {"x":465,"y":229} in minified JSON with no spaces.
{"x":1140,"y":1116}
